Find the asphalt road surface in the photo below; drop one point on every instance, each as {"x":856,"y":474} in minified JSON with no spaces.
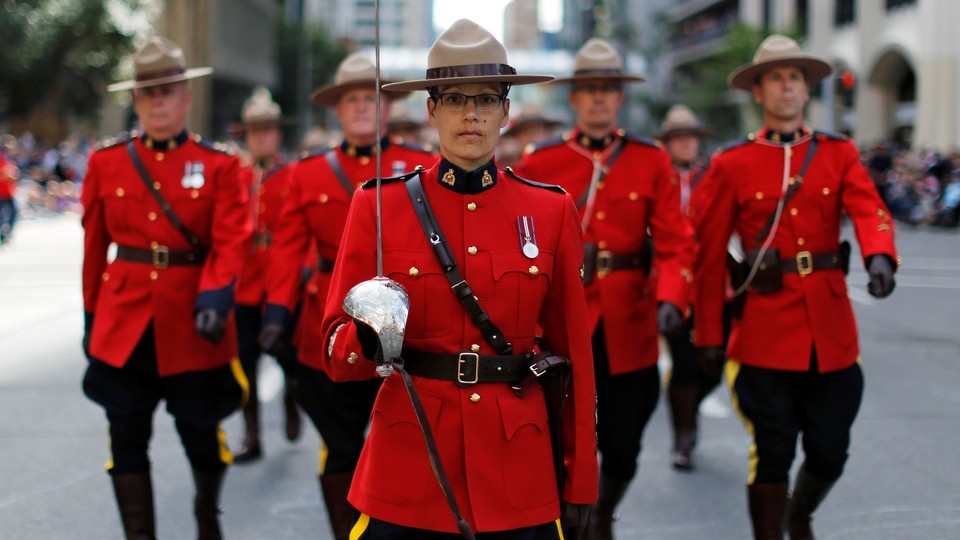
{"x":902,"y":480}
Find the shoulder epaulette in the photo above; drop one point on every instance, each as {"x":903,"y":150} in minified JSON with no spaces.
{"x":831,"y":135}
{"x":372,"y":183}
{"x":110,"y":142}
{"x":213,"y":146}
{"x":310,"y":154}
{"x":547,"y":143}
{"x":735,"y":143}
{"x":551,"y":187}
{"x":419,"y":147}
{"x":633,"y":137}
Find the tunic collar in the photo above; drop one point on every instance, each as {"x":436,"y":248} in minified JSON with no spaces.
{"x":781,"y":137}
{"x":466,"y":182}
{"x":593,"y":143}
{"x":366,"y":151}
{"x":164,"y":145}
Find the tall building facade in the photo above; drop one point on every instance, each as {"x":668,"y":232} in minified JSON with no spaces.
{"x":403,"y":23}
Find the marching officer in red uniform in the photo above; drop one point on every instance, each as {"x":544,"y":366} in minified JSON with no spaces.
{"x":315,"y":213}
{"x":681,"y":133}
{"x":267,"y":180}
{"x":793,"y":362}
{"x":516,"y":246}
{"x":8,"y":201}
{"x":158,"y":317}
{"x":623,"y":185}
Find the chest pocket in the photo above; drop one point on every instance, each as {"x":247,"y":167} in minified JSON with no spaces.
{"x":429,"y":290}
{"x":121,"y":208}
{"x":628,"y":207}
{"x":194,"y":207}
{"x":519,"y":286}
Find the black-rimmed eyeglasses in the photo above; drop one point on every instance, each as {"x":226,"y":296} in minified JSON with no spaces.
{"x":458,"y":102}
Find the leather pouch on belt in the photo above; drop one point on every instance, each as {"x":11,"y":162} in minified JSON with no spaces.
{"x":589,"y":262}
{"x":769,"y":276}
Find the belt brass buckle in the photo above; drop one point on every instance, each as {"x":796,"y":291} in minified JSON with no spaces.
{"x":161,"y":257}
{"x":804,"y":263}
{"x":603,"y":262}
{"x":464,"y":359}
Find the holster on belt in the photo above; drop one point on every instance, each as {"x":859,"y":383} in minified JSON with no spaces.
{"x":769,"y":276}
{"x":589,"y":262}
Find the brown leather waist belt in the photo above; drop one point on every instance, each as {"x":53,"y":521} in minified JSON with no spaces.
{"x":325,"y":266}
{"x":805,"y":262}
{"x":609,"y":262}
{"x":263,"y":239}
{"x":466,"y":368}
{"x":160,"y":256}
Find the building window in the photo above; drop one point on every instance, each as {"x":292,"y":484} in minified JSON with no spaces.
{"x":844,"y":12}
{"x":893,"y":4}
{"x":802,"y":18}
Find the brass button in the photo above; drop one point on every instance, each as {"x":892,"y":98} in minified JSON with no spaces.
{"x":826,"y":191}
{"x":789,"y":152}
{"x":475,"y":397}
{"x":475,"y":348}
{"x":414,"y":271}
{"x":106,"y":276}
{"x":471,"y":206}
{"x":194,"y":194}
{"x":352,"y":359}
{"x":152,"y":216}
{"x":601,"y":215}
{"x":159,"y":156}
{"x":364,"y":160}
{"x":472,"y":250}
{"x":120,"y":192}
{"x":602,"y":244}
{"x":154,"y":275}
{"x":801,"y":241}
{"x":600,"y":184}
{"x":156,"y":186}
{"x":154,"y":245}
{"x":324,"y":198}
{"x":794,"y":211}
{"x":759,"y":195}
{"x":634,"y":196}
{"x":313,"y":289}
{"x":533,"y":270}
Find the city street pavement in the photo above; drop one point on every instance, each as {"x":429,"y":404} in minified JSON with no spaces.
{"x":902,"y":480}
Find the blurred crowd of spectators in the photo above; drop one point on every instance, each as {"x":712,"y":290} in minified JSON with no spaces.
{"x":47,"y":178}
{"x":920,"y":187}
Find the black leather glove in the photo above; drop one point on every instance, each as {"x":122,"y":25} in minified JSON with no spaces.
{"x":369,"y":342}
{"x":210,"y":325}
{"x":710,"y":360}
{"x":573,"y":519}
{"x":880,"y":268}
{"x":669,"y":319}
{"x":271,"y":338}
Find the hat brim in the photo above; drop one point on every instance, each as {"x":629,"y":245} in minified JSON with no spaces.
{"x":423,"y":84}
{"x":548,"y":123}
{"x":745,"y":76}
{"x":700,"y":132}
{"x":598,"y":75}
{"x":329,"y":95}
{"x":185,"y":76}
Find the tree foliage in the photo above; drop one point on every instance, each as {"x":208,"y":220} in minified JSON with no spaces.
{"x":63,"y":52}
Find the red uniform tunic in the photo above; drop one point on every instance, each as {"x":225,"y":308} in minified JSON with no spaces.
{"x":8,"y":186}
{"x":268,"y":188}
{"x":315,"y":212}
{"x":638,"y":192}
{"x":494,"y":445}
{"x":741,"y":192}
{"x":123,"y":296}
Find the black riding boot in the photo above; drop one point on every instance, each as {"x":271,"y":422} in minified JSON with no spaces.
{"x":134,"y":494}
{"x":334,"y":488}
{"x":808,"y":493}
{"x":600,"y":524}
{"x":206,"y":505}
{"x":291,"y":412}
{"x":250,"y":450}
{"x":683,"y":406}
{"x":767,"y":503}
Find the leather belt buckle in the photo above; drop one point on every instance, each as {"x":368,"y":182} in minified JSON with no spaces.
{"x":604,"y":262}
{"x":465,"y":359}
{"x":804,"y":263}
{"x":160,"y":256}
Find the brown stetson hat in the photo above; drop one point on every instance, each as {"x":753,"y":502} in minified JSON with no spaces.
{"x":260,"y":108}
{"x":466,"y":53}
{"x":597,"y":59}
{"x":680,"y":120}
{"x":159,"y":61}
{"x":529,"y":115}
{"x":355,"y":71}
{"x":777,"y":51}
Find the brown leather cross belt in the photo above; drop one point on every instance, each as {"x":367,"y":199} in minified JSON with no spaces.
{"x":609,"y":262}
{"x":466,"y":368}
{"x":160,"y":257}
{"x":325,"y":266}
{"x":805,"y":262}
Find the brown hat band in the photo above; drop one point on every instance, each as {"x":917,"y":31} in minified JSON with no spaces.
{"x":160,"y":74}
{"x":471,"y":70}
{"x":599,"y":73}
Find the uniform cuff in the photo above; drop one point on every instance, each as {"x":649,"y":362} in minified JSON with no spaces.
{"x":277,"y":314}
{"x":220,"y":300}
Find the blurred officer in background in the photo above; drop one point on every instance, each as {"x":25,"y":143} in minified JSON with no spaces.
{"x":518,"y":244}
{"x":314,"y":215}
{"x":267,"y":179}
{"x":159,"y":322}
{"x":793,"y":363}
{"x":623,"y":186}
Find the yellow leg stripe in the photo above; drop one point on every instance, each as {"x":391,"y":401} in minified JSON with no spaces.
{"x":241,"y":378}
{"x":559,"y":529}
{"x":322,"y":457}
{"x":360,"y":527}
{"x":226,"y":455}
{"x":731,"y":370}
{"x":109,"y":465}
